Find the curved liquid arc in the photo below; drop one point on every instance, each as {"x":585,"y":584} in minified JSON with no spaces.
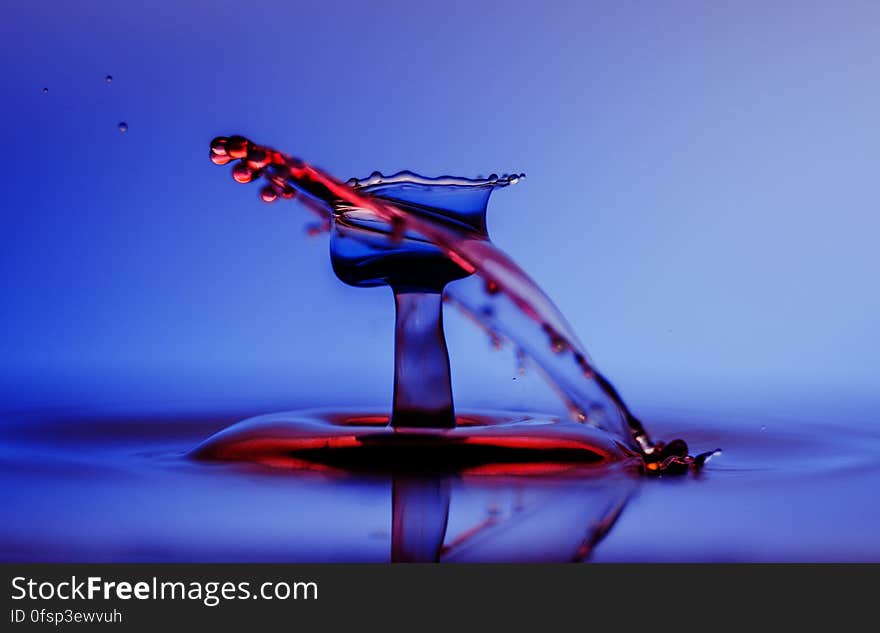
{"x":508,"y":304}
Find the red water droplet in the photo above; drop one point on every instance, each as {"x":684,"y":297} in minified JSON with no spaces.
{"x":257,"y":158}
{"x":242,"y":173}
{"x":218,"y":146}
{"x":492,"y":287}
{"x":220,"y":159}
{"x":288,"y":192}
{"x":237,"y":146}
{"x":268,"y":194}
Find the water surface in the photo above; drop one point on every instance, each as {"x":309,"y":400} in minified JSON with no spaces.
{"x":115,"y":485}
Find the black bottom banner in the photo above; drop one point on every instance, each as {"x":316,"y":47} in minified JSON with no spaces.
{"x":412,"y":597}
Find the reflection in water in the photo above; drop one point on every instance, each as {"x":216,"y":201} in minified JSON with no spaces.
{"x":519,"y":519}
{"x":108,"y":488}
{"x":498,"y":486}
{"x":118,"y":487}
{"x":419,"y":514}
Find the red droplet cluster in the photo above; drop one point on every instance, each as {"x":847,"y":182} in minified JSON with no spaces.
{"x":253,"y":161}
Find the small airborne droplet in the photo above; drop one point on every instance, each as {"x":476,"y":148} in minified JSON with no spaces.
{"x":242,"y":173}
{"x":123,"y":127}
{"x":108,"y":79}
{"x":492,"y":287}
{"x":45,"y":90}
{"x":268,"y":194}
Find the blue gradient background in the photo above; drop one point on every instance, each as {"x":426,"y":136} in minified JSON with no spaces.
{"x":702,"y":200}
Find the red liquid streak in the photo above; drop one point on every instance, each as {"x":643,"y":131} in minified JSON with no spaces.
{"x":473,"y":253}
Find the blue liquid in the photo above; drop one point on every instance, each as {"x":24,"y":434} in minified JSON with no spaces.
{"x":117,"y":486}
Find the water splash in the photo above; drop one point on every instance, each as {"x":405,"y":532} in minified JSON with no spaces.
{"x":406,"y":177}
{"x":499,"y":294}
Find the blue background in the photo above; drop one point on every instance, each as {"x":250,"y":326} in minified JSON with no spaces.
{"x":701,"y":203}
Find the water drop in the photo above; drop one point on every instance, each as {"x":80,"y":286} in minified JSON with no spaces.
{"x":763,"y":428}
{"x":45,"y":90}
{"x":242,"y":173}
{"x":108,"y":79}
{"x":492,"y":287}
{"x":123,"y":127}
{"x":493,"y":176}
{"x":237,"y":146}
{"x":220,"y":159}
{"x":268,"y":194}
{"x":288,"y":192}
{"x":218,"y":146}
{"x":674,"y":448}
{"x":257,"y":158}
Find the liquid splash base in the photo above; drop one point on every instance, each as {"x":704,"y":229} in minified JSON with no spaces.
{"x":479,"y":443}
{"x":426,"y":239}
